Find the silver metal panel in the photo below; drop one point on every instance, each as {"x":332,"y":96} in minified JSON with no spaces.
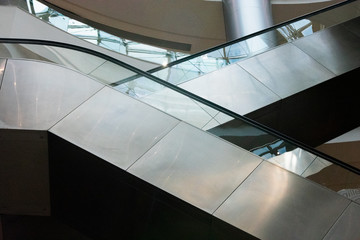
{"x":110,"y":72}
{"x":36,"y":95}
{"x":24,"y":173}
{"x":316,"y":166}
{"x":336,"y":48}
{"x":295,"y":161}
{"x":195,"y":166}
{"x":232,"y":88}
{"x":273,"y":203}
{"x":77,"y":60}
{"x":18,"y":51}
{"x":179,"y":106}
{"x":2,"y":69}
{"x":115,"y":127}
{"x":286,"y":70}
{"x":347,"y":227}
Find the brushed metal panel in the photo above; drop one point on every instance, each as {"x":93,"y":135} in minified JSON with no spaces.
{"x":18,"y":51}
{"x":295,"y":161}
{"x":286,"y":70}
{"x":110,"y":72}
{"x":316,"y":166}
{"x":2,"y":69}
{"x":114,"y":127}
{"x":36,"y":95}
{"x":195,"y":166}
{"x":347,"y":227}
{"x":232,"y":88}
{"x":335,"y":48}
{"x":24,"y":173}
{"x":273,"y":203}
{"x":73,"y":59}
{"x":179,"y":106}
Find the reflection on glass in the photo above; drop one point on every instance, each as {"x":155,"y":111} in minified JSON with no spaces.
{"x":334,"y":177}
{"x":101,"y":38}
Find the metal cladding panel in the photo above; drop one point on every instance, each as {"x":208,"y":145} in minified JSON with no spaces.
{"x":36,"y":95}
{"x":83,"y":62}
{"x":24,"y":172}
{"x":180,"y":106}
{"x":286,"y":70}
{"x":232,"y":88}
{"x":336,"y":48}
{"x":110,"y":72}
{"x":296,"y":161}
{"x":115,"y":127}
{"x":273,"y":203}
{"x":195,"y":166}
{"x":347,"y":227}
{"x":2,"y":69}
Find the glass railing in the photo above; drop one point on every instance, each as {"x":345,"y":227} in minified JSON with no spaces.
{"x":98,"y":37}
{"x":205,"y":61}
{"x":258,"y":139}
{"x":213,"y":59}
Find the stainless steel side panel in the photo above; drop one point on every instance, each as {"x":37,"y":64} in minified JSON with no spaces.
{"x":232,"y":88}
{"x":35,"y":95}
{"x":195,"y":166}
{"x":336,"y":48}
{"x":114,"y":127}
{"x":286,"y":70}
{"x":2,"y":69}
{"x":347,"y":227}
{"x":273,"y":203}
{"x":296,"y":161}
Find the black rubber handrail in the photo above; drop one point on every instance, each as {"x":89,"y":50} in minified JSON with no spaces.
{"x":188,"y":94}
{"x":198,"y":54}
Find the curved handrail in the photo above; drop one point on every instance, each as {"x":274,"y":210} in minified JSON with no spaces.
{"x":187,"y":58}
{"x":188,"y":94}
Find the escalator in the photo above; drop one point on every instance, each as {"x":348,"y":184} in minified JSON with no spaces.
{"x":111,"y":166}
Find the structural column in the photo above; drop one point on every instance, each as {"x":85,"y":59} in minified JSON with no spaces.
{"x":243,"y":17}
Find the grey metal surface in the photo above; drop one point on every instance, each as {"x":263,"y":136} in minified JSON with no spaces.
{"x":35,"y":95}
{"x":232,"y":88}
{"x":347,"y":227}
{"x":354,"y":25}
{"x":73,"y":59}
{"x":275,"y":204}
{"x":316,"y":166}
{"x":18,"y":51}
{"x":286,"y":70}
{"x":335,"y":48}
{"x":24,"y":173}
{"x":110,"y":72}
{"x":114,"y":127}
{"x":179,"y":106}
{"x":2,"y":69}
{"x":295,"y":161}
{"x":195,"y":166}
